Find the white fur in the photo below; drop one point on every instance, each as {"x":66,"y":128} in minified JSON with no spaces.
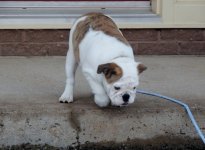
{"x":98,"y":48}
{"x":70,"y":66}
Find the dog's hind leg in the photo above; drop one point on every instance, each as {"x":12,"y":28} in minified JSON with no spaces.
{"x":70,"y":67}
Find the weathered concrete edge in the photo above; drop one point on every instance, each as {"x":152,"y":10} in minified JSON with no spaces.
{"x":71,"y":125}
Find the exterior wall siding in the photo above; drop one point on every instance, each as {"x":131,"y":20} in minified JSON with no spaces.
{"x":143,"y":41}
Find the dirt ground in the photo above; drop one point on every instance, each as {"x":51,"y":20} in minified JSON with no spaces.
{"x":160,"y":143}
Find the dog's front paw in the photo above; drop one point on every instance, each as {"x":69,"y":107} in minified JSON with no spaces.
{"x":66,"y":98}
{"x":102,"y":100}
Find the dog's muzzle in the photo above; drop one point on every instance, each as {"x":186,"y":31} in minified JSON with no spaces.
{"x":125,"y":92}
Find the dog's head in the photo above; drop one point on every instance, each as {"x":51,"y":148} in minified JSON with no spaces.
{"x":121,"y":80}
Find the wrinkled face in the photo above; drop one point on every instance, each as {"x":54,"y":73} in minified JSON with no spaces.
{"x":121,"y":82}
{"x":123,"y":92}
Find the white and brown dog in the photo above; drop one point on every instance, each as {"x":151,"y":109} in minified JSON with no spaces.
{"x":106,"y":58}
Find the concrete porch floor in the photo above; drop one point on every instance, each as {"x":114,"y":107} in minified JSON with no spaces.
{"x":30,"y":111}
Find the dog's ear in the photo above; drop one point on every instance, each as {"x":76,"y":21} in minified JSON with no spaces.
{"x":103,"y":68}
{"x":111,"y":71}
{"x":141,"y":67}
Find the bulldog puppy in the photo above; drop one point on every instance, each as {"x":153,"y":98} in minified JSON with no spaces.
{"x":106,"y":59}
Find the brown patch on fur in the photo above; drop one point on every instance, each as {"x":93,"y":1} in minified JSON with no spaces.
{"x":111,"y":71}
{"x":98,"y":22}
{"x":141,"y":68}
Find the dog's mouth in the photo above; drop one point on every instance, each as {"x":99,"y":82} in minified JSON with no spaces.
{"x":125,"y":104}
{"x":122,"y":105}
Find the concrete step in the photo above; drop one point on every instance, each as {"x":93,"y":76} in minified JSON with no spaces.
{"x":30,"y":111}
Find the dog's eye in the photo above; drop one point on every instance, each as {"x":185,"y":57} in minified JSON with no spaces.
{"x":117,"y":88}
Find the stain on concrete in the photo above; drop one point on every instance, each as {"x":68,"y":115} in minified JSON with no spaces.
{"x":74,"y":120}
{"x":1,"y":126}
{"x":55,"y":130}
{"x":75,"y":124}
{"x":27,"y":122}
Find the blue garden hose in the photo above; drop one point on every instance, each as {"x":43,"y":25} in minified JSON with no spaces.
{"x":180,"y":103}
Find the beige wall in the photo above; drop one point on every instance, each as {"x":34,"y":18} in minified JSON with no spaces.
{"x":180,"y":13}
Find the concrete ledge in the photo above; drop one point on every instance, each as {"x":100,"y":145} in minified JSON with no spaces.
{"x":30,"y":112}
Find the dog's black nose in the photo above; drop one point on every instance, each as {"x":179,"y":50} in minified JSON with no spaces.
{"x":125,"y":97}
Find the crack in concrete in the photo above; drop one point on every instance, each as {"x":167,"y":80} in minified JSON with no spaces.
{"x":75,"y":124}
